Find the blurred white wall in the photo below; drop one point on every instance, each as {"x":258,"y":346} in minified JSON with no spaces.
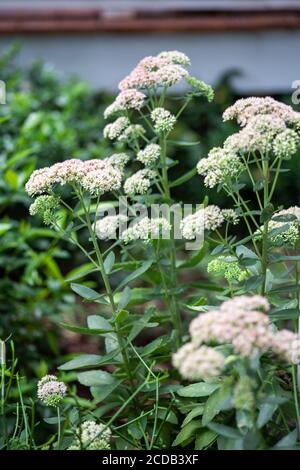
{"x":268,"y":61}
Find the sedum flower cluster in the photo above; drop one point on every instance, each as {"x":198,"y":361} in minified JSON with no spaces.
{"x":227,"y":267}
{"x":221,"y":166}
{"x":91,"y":436}
{"x":94,"y":176}
{"x":284,"y":228}
{"x":127,"y":99}
{"x":106,"y":228}
{"x":147,"y":229}
{"x":268,"y":127}
{"x":149,"y":155}
{"x":165,"y":69}
{"x":45,"y":207}
{"x":245,"y":109}
{"x":242,"y":323}
{"x":207,"y":218}
{"x":163,"y":120}
{"x":198,"y":363}
{"x":140,"y":182}
{"x":50,"y":391}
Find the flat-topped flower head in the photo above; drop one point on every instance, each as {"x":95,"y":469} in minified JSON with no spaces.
{"x":170,"y":75}
{"x":106,"y":227}
{"x":41,"y":181}
{"x":163,"y":120}
{"x":98,"y":182}
{"x":246,"y":108}
{"x":242,"y":322}
{"x":221,"y":166}
{"x":201,"y":88}
{"x":231,"y":216}
{"x":257,"y":135}
{"x":149,"y":155}
{"x":286,"y":144}
{"x":113,"y":130}
{"x":286,"y":345}
{"x":147,"y":229}
{"x":91,"y":436}
{"x":95,"y":176}
{"x":198,"y":363}
{"x":140,"y":182}
{"x":50,"y":391}
{"x":246,"y":302}
{"x":165,"y":69}
{"x":175,"y":57}
{"x":126,"y":100}
{"x":208,"y":218}
{"x":118,"y":160}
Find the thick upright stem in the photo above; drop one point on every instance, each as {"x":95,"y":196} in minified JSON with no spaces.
{"x":174,"y":306}
{"x":296,"y":398}
{"x":107,"y":285}
{"x":3,"y":366}
{"x":58,"y":428}
{"x":264,"y":256}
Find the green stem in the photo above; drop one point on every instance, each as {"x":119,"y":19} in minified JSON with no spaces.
{"x":264,"y":262}
{"x":23,"y":410}
{"x":174,"y":306}
{"x":58,"y":428}
{"x":296,"y":400}
{"x":3,"y":367}
{"x":275,"y":180}
{"x":107,"y":285}
{"x":238,"y":204}
{"x":253,"y":183}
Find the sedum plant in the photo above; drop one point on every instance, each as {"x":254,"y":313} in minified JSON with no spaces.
{"x":239,"y":356}
{"x":244,"y":360}
{"x":136,"y":383}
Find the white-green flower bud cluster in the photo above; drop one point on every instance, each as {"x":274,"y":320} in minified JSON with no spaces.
{"x":149,"y":155}
{"x":50,"y":391}
{"x":140,"y":182}
{"x":201,"y":88}
{"x":45,"y":207}
{"x":163,"y":120}
{"x":286,"y":144}
{"x":147,"y":229}
{"x":91,"y":436}
{"x":221,"y":166}
{"x":228,"y":268}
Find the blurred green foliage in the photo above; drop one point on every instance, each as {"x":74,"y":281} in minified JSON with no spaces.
{"x":43,"y":121}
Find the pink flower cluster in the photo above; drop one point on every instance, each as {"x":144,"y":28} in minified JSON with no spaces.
{"x":243,"y":323}
{"x":198,"y":363}
{"x":95,"y":176}
{"x":244,"y":109}
{"x":165,"y":69}
{"x":127,"y":99}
